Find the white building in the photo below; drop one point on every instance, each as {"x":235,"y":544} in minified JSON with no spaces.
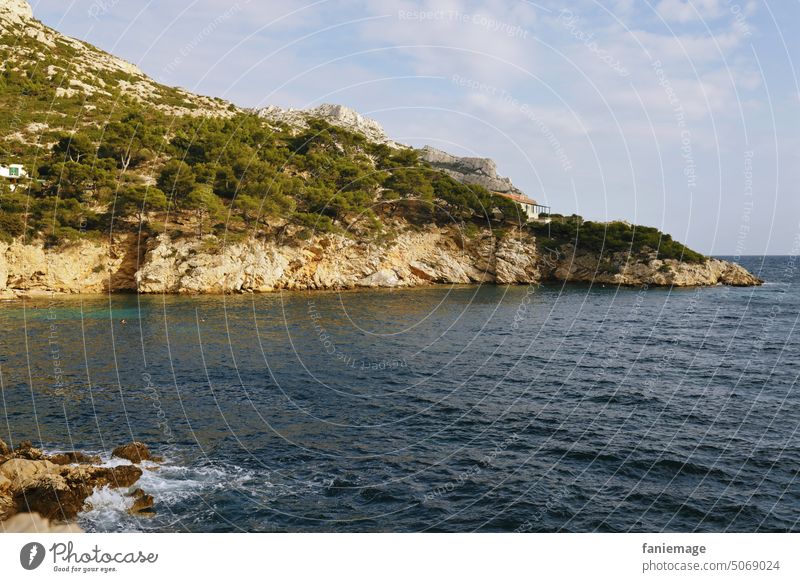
{"x":531,"y":208}
{"x":13,"y":172}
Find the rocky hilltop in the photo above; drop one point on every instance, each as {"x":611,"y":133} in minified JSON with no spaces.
{"x":15,"y":12}
{"x":470,"y":170}
{"x":82,"y":70}
{"x":337,"y":115}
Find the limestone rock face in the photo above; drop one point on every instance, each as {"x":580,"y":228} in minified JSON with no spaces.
{"x":480,"y":171}
{"x":352,"y":120}
{"x":7,"y":506}
{"x":26,"y":450}
{"x":73,"y":458}
{"x":423,"y":257}
{"x":192,"y":266}
{"x":338,"y":115}
{"x":382,"y":278}
{"x":620,"y":269}
{"x":735,"y":275}
{"x":60,"y":492}
{"x":35,"y":523}
{"x":3,"y":272}
{"x":15,"y":12}
{"x":25,"y":474}
{"x":415,"y":256}
{"x":514,"y":263}
{"x":83,"y":267}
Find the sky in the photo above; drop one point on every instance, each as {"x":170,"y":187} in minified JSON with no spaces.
{"x":679,"y":114}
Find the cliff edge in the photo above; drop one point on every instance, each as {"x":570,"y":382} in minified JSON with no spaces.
{"x":415,"y":257}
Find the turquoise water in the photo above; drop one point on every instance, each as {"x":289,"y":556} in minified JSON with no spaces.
{"x":555,"y":408}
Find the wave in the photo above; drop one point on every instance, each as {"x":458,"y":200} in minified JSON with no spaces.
{"x":171,"y":485}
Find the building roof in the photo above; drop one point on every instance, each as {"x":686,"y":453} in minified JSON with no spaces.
{"x":517,"y":198}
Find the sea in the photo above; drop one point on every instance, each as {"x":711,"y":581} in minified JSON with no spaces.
{"x":552,"y":408}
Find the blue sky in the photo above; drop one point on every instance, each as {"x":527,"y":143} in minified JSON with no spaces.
{"x":674,"y":113}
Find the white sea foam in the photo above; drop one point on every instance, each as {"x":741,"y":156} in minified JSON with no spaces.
{"x":104,"y":508}
{"x":107,"y":499}
{"x":169,"y":484}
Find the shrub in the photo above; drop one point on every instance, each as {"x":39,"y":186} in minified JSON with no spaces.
{"x":316,"y":222}
{"x":11,"y":226}
{"x":612,"y":237}
{"x":177,"y":179}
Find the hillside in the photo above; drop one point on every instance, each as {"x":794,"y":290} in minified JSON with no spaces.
{"x":111,"y":145}
{"x":124,"y":171}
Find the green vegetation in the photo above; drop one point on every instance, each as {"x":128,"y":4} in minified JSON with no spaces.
{"x":104,"y":161}
{"x":235,"y":174}
{"x":603,"y":238}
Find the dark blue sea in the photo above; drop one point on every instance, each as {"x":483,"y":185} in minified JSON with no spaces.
{"x":561,"y":408}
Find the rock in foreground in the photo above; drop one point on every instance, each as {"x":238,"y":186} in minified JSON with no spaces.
{"x":35,"y":523}
{"x":56,"y":487}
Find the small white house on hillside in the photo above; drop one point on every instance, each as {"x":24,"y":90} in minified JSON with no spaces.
{"x":13,"y":172}
{"x":532,"y":208}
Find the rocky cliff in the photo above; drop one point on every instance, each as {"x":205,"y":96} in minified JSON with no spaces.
{"x":622,"y":269}
{"x":84,"y":267}
{"x":432,"y":255}
{"x":338,"y":115}
{"x":470,"y":170}
{"x":426,"y":256}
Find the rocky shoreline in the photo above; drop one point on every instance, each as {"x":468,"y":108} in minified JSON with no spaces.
{"x":55,"y":488}
{"x":413,"y":257}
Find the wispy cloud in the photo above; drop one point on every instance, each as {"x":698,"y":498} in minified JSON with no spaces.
{"x":689,"y":10}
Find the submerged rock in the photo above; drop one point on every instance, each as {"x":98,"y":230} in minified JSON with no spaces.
{"x":142,"y":503}
{"x":134,"y":452}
